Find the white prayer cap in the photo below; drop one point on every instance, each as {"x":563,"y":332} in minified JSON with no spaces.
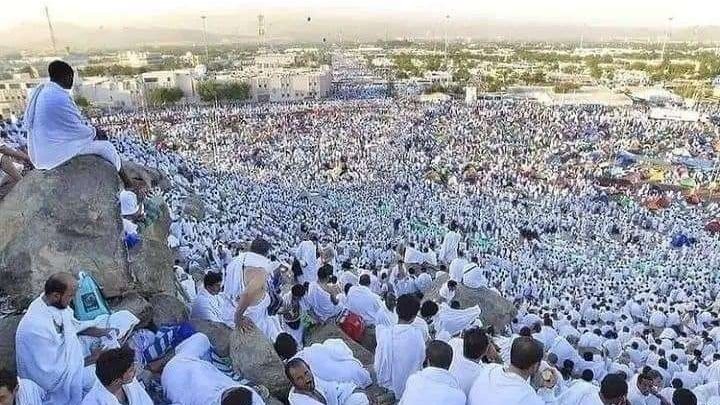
{"x":128,"y":203}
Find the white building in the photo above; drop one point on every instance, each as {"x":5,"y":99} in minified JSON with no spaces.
{"x":290,"y":84}
{"x":139,"y":59}
{"x":438,"y":77}
{"x":184,"y":79}
{"x":274,"y":60}
{"x":14,"y":93}
{"x":109,"y":92}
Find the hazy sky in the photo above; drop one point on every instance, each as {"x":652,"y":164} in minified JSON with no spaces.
{"x":652,"y":13}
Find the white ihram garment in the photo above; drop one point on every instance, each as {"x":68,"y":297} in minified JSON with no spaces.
{"x":432,"y":385}
{"x":134,"y":392}
{"x":400,"y":352}
{"x":334,"y":361}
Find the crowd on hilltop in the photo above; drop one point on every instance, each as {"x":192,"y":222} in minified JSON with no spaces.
{"x":379,"y":214}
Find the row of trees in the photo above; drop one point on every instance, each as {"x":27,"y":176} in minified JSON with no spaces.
{"x":211,"y":90}
{"x":165,"y":96}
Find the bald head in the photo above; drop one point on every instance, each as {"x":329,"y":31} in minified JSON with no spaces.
{"x":60,"y":290}
{"x":439,"y":354}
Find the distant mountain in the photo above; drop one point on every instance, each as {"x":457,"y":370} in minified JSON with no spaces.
{"x":291,"y":26}
{"x":37,"y":36}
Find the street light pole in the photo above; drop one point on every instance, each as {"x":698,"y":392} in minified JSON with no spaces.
{"x":205,"y":39}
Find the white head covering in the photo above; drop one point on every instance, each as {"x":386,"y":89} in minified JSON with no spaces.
{"x":128,"y":203}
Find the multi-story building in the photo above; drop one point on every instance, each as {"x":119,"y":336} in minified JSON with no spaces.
{"x":290,"y":84}
{"x":109,"y":92}
{"x":274,"y":60}
{"x":184,"y":79}
{"x":139,"y":59}
{"x":14,"y":93}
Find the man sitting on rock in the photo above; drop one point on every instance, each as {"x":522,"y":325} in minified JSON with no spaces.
{"x":434,"y":384}
{"x":14,"y":391}
{"x":331,"y":360}
{"x":207,"y":305}
{"x":308,"y":390}
{"x":48,"y":349}
{"x":188,"y":379}
{"x":57,"y":131}
{"x":116,"y":383}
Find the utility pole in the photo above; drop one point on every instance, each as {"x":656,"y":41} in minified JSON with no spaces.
{"x":667,"y":36}
{"x":52,"y":31}
{"x":207,"y":53}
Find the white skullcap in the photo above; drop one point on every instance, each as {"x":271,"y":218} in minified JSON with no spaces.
{"x":128,"y":203}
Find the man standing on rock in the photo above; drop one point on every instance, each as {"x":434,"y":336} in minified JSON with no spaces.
{"x":48,"y":350}
{"x":57,"y":132}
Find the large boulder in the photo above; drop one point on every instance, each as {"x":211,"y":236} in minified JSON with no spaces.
{"x":217,"y":333}
{"x":150,"y":176}
{"x":151,"y":263}
{"x":255,"y":358}
{"x":496,"y":310}
{"x":321,"y":333}
{"x":168,"y":310}
{"x":136,"y":305}
{"x":8,"y":327}
{"x":66,"y":219}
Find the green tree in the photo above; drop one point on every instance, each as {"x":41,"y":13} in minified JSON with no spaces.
{"x":564,"y":88}
{"x":211,"y":90}
{"x":82,"y":102}
{"x":165,"y":95}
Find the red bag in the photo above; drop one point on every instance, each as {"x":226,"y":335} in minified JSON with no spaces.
{"x":353,"y":326}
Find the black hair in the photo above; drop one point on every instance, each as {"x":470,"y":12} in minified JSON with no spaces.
{"x":587,"y":375}
{"x":428,"y":309}
{"x":475,"y":343}
{"x":212,"y":278}
{"x":238,"y":396}
{"x":260,"y":246}
{"x":364,"y":280}
{"x":112,"y":364}
{"x":59,"y":70}
{"x":613,"y":386}
{"x":298,"y":290}
{"x":8,"y":379}
{"x":684,"y":396}
{"x":56,"y":283}
{"x":294,"y":363}
{"x":407,"y":307}
{"x":525,"y":352}
{"x":285,"y":346}
{"x":439,"y":354}
{"x":347,"y":287}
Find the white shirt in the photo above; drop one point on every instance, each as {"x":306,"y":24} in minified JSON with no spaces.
{"x":495,"y":386}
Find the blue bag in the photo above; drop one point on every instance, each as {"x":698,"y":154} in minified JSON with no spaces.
{"x":89,"y":300}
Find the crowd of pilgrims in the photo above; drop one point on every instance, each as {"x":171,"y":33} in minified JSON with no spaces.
{"x":320,"y":212}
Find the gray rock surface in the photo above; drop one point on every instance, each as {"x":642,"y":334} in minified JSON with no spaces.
{"x":496,"y":310}
{"x":136,"y":304}
{"x":218,"y":333}
{"x":62,"y":219}
{"x":253,"y":355}
{"x":167,"y":310}
{"x":8,"y":326}
{"x":150,"y":176}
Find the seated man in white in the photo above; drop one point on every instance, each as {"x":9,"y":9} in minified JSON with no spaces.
{"x":434,"y":384}
{"x":613,"y":390}
{"x":331,"y":360}
{"x":116,"y":383}
{"x":309,"y":390}
{"x":400,"y":350}
{"x":525,"y":357}
{"x":188,"y":379}
{"x":48,"y":349}
{"x":322,"y":297}
{"x":10,"y":160}
{"x":467,"y":364}
{"x":14,"y":391}
{"x":362,"y":301}
{"x":207,"y":305}
{"x":57,"y":131}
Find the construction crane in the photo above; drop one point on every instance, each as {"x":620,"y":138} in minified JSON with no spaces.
{"x":52,"y":31}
